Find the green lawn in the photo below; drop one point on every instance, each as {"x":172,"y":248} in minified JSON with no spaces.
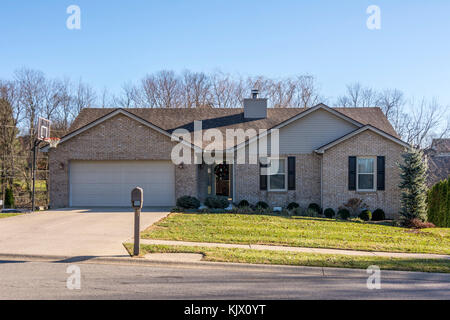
{"x":40,"y":185}
{"x":304,"y":259}
{"x":298,"y":231}
{"x":6,"y":215}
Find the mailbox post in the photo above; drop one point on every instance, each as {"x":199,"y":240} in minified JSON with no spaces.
{"x":137,"y":200}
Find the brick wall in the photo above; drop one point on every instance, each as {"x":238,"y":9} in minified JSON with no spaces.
{"x":307,"y":167}
{"x":335,"y":173}
{"x":335,"y":177}
{"x":118,"y":138}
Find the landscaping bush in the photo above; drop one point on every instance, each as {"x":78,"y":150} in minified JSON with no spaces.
{"x":439,"y":204}
{"x":417,"y":223}
{"x":292,"y":205}
{"x":365,"y":215}
{"x":188,"y":202}
{"x":378,"y":215}
{"x":413,"y":185}
{"x":9,"y":198}
{"x":217,"y":202}
{"x":243,"y":210}
{"x":329,"y":213}
{"x":315,"y":207}
{"x":262,"y":205}
{"x":343,"y":213}
{"x":243,"y":203}
{"x":354,"y":206}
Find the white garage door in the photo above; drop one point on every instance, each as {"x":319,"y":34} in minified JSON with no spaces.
{"x":109,"y":183}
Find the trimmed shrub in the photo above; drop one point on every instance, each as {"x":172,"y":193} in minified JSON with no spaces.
{"x":262,"y":205}
{"x":344,"y":213}
{"x":438,"y":202}
{"x":292,"y":205}
{"x":378,"y":215}
{"x":243,"y":203}
{"x":9,"y":198}
{"x":188,"y":202}
{"x":365,"y":215}
{"x":329,"y":213}
{"x":315,"y":207}
{"x":217,"y":202}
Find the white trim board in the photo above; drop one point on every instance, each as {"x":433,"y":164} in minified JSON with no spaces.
{"x":322,"y":149}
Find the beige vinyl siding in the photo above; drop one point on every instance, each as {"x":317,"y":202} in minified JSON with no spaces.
{"x":313,"y":131}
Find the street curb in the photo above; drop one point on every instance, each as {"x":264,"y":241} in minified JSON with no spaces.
{"x":147,"y":262}
{"x":299,"y":270}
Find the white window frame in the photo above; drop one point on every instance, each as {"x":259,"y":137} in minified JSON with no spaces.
{"x":285,"y":175}
{"x":374,"y":174}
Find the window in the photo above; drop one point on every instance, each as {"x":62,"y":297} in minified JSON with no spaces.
{"x":277,"y":174}
{"x":366,"y":174}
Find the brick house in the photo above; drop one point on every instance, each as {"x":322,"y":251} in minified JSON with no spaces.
{"x":326,"y":155}
{"x":438,"y":156}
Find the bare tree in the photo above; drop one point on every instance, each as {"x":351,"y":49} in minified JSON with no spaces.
{"x":307,"y":92}
{"x":358,"y":96}
{"x":391,"y":101}
{"x":226,"y":92}
{"x":423,"y":122}
{"x":195,"y":89}
{"x":32,"y":94}
{"x":162,"y":90}
{"x":84,"y":97}
{"x":130,"y":97}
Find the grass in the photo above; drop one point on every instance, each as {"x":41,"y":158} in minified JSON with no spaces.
{"x":303,"y":259}
{"x":40,"y":185}
{"x":7,"y":215}
{"x":298,"y":231}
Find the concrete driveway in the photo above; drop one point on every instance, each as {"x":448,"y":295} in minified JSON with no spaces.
{"x":73,"y":232}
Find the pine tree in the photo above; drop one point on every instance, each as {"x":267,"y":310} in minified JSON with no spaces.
{"x":413,"y":185}
{"x":9,"y":198}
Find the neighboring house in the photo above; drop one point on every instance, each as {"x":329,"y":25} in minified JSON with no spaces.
{"x":438,"y":156}
{"x":327,"y":155}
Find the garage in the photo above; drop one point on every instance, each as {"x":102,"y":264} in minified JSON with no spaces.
{"x":109,"y":183}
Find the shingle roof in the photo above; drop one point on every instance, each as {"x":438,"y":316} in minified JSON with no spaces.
{"x":441,"y":145}
{"x":438,"y":161}
{"x":228,"y":118}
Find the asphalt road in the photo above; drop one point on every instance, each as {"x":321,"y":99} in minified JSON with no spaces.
{"x":48,"y":280}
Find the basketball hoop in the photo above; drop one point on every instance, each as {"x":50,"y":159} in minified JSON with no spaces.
{"x":53,"y":142}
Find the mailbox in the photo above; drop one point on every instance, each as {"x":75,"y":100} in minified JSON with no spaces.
{"x":137,"y":198}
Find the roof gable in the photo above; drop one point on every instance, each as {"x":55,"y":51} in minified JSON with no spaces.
{"x":327,"y":146}
{"x":111,"y":115}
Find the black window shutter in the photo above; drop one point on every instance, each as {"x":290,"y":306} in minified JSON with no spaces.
{"x":262,"y":178}
{"x":291,"y":173}
{"x":351,"y":173}
{"x":381,"y":173}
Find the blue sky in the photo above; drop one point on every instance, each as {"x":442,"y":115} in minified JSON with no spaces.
{"x":121,"y":41}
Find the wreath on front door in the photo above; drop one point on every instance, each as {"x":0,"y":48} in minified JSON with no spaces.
{"x":221,"y":171}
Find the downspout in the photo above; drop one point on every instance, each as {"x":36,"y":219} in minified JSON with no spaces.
{"x":321,"y":152}
{"x":233,"y":183}
{"x":321,"y":180}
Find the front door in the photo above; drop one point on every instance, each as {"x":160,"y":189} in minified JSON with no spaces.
{"x":222,"y":177}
